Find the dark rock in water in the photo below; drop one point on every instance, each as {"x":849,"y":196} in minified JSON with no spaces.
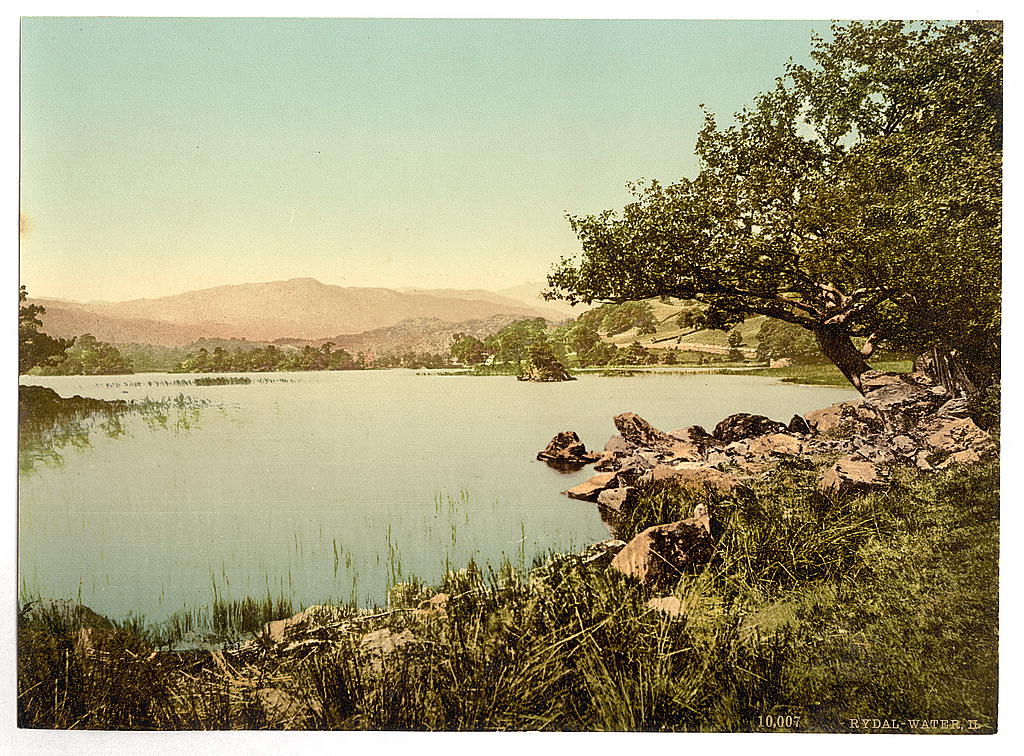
{"x":638,"y":432}
{"x":799,"y":425}
{"x":744,"y":425}
{"x":663,"y":553}
{"x":567,"y":452}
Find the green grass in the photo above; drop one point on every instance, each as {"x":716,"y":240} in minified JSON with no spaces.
{"x":826,"y":610}
{"x":825,"y":374}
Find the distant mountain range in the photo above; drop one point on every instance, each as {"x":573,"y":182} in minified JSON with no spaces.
{"x":299,"y":309}
{"x":432,"y":335}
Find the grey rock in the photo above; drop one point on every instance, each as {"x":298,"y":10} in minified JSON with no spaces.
{"x":744,"y":425}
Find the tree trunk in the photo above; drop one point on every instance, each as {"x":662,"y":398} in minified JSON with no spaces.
{"x":836,"y":344}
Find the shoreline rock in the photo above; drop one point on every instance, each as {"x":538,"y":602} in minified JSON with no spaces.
{"x":566,"y":451}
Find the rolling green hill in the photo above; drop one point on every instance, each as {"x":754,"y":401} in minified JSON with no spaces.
{"x":669,"y":335}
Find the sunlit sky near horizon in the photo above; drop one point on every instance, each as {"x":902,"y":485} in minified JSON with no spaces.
{"x":162,"y":155}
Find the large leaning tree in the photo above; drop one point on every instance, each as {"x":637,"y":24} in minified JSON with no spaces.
{"x":860,"y":199}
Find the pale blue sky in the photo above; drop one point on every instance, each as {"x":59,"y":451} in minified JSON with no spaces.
{"x":166,"y":155}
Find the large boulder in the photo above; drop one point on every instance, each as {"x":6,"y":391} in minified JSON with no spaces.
{"x":850,"y":475}
{"x":798,"y":425}
{"x":775,"y":445}
{"x":694,"y":478}
{"x":839,"y":419}
{"x":694,"y":434}
{"x":566,"y":450}
{"x":590,"y":488}
{"x":638,"y":432}
{"x":744,"y":425}
{"x":616,"y":506}
{"x":943,"y":436}
{"x":901,"y":405}
{"x":663,"y":553}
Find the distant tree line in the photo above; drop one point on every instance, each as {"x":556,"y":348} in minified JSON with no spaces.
{"x":88,"y":356}
{"x":272,"y":358}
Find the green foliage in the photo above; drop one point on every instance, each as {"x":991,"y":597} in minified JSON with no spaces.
{"x":860,"y":197}
{"x":89,"y":357}
{"x":512,"y":343}
{"x":270,"y":358}
{"x":778,"y":339}
{"x":623,"y":317}
{"x":635,"y":354}
{"x":411,"y":360}
{"x":468,"y":350}
{"x":986,"y":409}
{"x":542,"y":364}
{"x":34,"y":346}
{"x":691,"y":319}
{"x":151,"y":358}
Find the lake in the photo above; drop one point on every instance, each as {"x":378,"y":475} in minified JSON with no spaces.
{"x":332,"y":485}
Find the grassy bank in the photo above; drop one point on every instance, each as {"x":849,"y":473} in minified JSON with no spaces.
{"x":814,"y":612}
{"x":825,"y":374}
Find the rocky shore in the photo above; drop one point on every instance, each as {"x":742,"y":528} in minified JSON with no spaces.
{"x":901,"y":419}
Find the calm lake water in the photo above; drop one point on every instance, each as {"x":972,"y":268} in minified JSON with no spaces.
{"x":329,"y":485}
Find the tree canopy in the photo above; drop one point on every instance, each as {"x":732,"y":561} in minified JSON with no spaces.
{"x":89,"y":356}
{"x":34,"y":346}
{"x":861,"y":197}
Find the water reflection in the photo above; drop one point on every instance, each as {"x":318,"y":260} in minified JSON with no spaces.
{"x":49,"y":424}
